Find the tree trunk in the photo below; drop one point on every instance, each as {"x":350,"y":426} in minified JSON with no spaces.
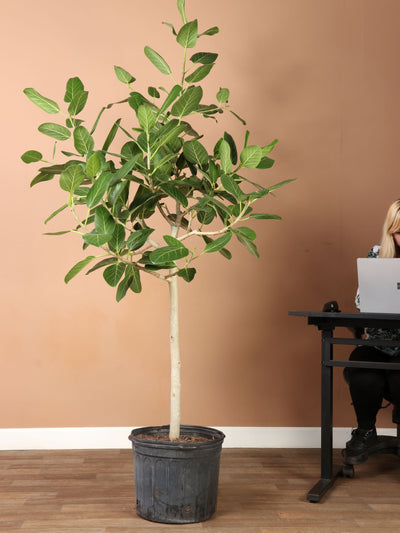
{"x":175,"y":417}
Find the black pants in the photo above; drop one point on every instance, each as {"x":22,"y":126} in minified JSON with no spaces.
{"x":369,"y":386}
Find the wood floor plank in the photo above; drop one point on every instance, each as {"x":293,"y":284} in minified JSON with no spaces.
{"x":260,"y":491}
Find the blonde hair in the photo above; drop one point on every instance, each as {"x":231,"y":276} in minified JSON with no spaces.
{"x":390,"y":226}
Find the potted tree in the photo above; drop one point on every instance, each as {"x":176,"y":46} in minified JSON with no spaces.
{"x":118,"y":197}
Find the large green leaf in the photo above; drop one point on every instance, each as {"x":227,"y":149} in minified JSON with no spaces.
{"x":113,"y":273}
{"x":71,"y":178}
{"x":157,"y":60}
{"x":245,"y":232}
{"x":41,"y":101}
{"x":77,"y":268}
{"x":187,"y":273}
{"x":43,"y":176}
{"x":218,"y":244}
{"x":83,"y":141}
{"x":252,"y":248}
{"x":175,"y":193}
{"x":172,"y":96}
{"x":230,"y":185}
{"x":103,"y":263}
{"x":137,"y":240}
{"x":229,"y":139}
{"x":181,"y":8}
{"x":251,"y":156}
{"x":98,"y":189}
{"x":96,"y":239}
{"x":188,"y":102}
{"x":123,"y":75}
{"x":117,"y":241}
{"x":111,"y":135}
{"x":199,"y":74}
{"x":93,"y":165}
{"x":146,"y":117}
{"x":264,"y":216}
{"x":135,"y":285}
{"x":31,"y":156}
{"x":210,"y":31}
{"x":187,"y":35}
{"x":205,"y":58}
{"x":74,"y":86}
{"x":195,"y":152}
{"x":167,"y":254}
{"x":61,"y":133}
{"x":78,"y":103}
{"x":103,"y":221}
{"x":225,"y":156}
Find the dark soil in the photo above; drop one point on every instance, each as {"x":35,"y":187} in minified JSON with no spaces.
{"x":165,"y":438}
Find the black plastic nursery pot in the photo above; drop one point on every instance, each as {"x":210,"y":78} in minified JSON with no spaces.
{"x":176,"y":482}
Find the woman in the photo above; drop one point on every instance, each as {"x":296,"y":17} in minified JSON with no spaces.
{"x":368,"y":387}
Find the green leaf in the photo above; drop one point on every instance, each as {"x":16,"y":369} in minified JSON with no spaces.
{"x":229,"y":139}
{"x":267,"y":149}
{"x":205,"y":58}
{"x":266,"y":162}
{"x":172,"y":241}
{"x":251,"y":156}
{"x":93,"y":165}
{"x":188,"y":102}
{"x":138,"y":239}
{"x":252,"y":248}
{"x":43,"y":176}
{"x":230,"y":185}
{"x":55,"y":213}
{"x":126,"y":168}
{"x":175,"y":193}
{"x":223,"y":96}
{"x":264,"y":216}
{"x":77,"y":268}
{"x":210,"y":31}
{"x":245,"y":232}
{"x":195,"y":152}
{"x":146,"y":117}
{"x":187,"y":35}
{"x":172,"y":96}
{"x":102,"y":264}
{"x":31,"y":156}
{"x":239,"y":118}
{"x":61,"y":133}
{"x":117,"y":241}
{"x":181,"y":8}
{"x":135,"y":285}
{"x":157,"y":60}
{"x":225,"y":156}
{"x":123,"y":75}
{"x":98,"y":189}
{"x":280,"y":184}
{"x":41,"y":101}
{"x":103,"y":221}
{"x":78,"y":103}
{"x":166,"y":254}
{"x":74,"y":86}
{"x":113,"y":273}
{"x":83,"y":141}
{"x":171,"y":27}
{"x":95,"y":239}
{"x":218,"y":244}
{"x":187,"y":273}
{"x":199,"y":74}
{"x":71,"y":178}
{"x":111,"y":135}
{"x":153,"y":92}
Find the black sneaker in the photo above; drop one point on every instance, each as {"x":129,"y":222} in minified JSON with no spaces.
{"x":362,"y":440}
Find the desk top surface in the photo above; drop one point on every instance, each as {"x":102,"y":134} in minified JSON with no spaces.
{"x":380,"y":320}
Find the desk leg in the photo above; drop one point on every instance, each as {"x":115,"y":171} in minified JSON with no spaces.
{"x":327,"y":475}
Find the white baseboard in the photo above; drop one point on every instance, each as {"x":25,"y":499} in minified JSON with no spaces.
{"x":117,"y":438}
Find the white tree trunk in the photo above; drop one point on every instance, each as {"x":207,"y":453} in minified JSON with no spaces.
{"x":175,"y":418}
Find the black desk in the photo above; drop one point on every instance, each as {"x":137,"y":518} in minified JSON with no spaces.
{"x":326,"y":323}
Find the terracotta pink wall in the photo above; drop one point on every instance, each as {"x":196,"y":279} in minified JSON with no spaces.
{"x":320,"y":75}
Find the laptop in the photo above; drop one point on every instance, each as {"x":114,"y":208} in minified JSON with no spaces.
{"x":379,"y":285}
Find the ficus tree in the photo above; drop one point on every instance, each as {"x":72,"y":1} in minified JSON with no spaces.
{"x":160,"y":171}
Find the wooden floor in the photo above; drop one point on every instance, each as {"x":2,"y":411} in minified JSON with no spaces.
{"x":260,"y":491}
